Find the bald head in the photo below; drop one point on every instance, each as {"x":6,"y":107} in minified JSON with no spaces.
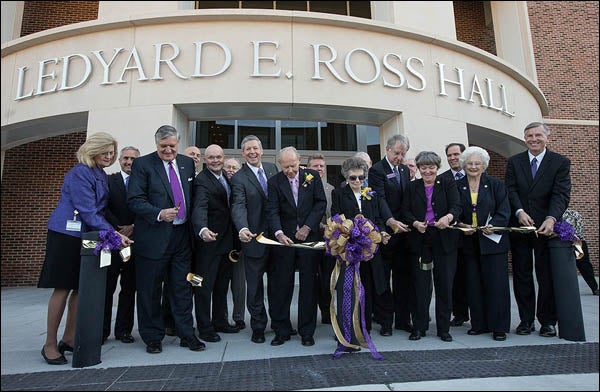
{"x":214,"y":158}
{"x":194,"y":153}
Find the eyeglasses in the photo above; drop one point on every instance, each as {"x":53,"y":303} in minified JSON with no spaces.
{"x":354,"y":178}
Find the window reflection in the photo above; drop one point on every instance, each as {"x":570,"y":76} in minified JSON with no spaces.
{"x":301,"y":134}
{"x":221,"y":132}
{"x":338,"y":137}
{"x":264,"y":129}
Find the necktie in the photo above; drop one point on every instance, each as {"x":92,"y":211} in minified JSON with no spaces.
{"x":224,"y":183}
{"x":263,"y":181}
{"x":177,"y":192}
{"x":458,"y":175}
{"x":397,"y":174}
{"x":294,"y":187}
{"x":533,"y":167}
{"x":126,"y":182}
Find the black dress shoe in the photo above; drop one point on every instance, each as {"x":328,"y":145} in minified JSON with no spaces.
{"x":240,"y":324}
{"x":525,"y":328}
{"x":62,"y":347}
{"x":170,"y":331}
{"x":227,"y":328}
{"x":416,"y":335}
{"x":500,"y":336}
{"x":548,"y":331}
{"x":278,"y":340}
{"x":154,"y":348}
{"x":476,"y":331}
{"x":192,"y":343}
{"x":54,"y":361}
{"x":293,"y":332}
{"x":385,"y":331}
{"x":408,"y":327}
{"x":458,"y":321}
{"x":210,"y":336}
{"x":258,"y":336}
{"x":125,"y":338}
{"x":445,"y":336}
{"x":308,"y":340}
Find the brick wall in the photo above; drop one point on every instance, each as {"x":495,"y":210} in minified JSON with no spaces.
{"x":565,"y":44}
{"x":469,"y":19}
{"x":44,"y":15}
{"x":31,"y":180}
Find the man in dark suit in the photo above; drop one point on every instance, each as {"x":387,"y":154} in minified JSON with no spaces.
{"x":121,"y":218}
{"x":460,"y":308}
{"x":539,"y":190}
{"x":212,"y":225}
{"x":250,"y":219}
{"x":389,"y":178}
{"x":160,"y":195}
{"x":295,"y":207}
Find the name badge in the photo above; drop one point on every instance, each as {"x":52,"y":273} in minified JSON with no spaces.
{"x":391,"y":175}
{"x":74,"y":225}
{"x":105,"y":258}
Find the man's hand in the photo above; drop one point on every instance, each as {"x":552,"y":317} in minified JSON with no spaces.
{"x":420,"y":226}
{"x":547,"y":227}
{"x":126,"y":230}
{"x":246,"y":235}
{"x":397,"y":226}
{"x":525,"y":219}
{"x":284,"y":239}
{"x":302,"y":233}
{"x":209,"y":236}
{"x":168,"y":214}
{"x":443,"y":222}
{"x":125,"y":241}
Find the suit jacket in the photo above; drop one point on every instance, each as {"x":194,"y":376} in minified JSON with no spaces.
{"x":248,"y":208}
{"x":211,"y":210}
{"x":546,"y":195}
{"x":282,"y":212}
{"x":443,"y":201}
{"x":383,"y":182}
{"x":86,"y":190}
{"x":117,"y":212}
{"x":149,"y":192}
{"x":492,"y":201}
{"x":448,"y":174}
{"x":344,"y":202}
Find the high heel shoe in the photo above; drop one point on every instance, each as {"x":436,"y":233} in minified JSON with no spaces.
{"x":56,"y":361}
{"x":62,"y":347}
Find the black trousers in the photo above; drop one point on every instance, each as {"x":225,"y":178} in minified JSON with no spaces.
{"x":326,"y":265}
{"x":281,"y":288}
{"x":126,"y":305}
{"x":460,"y":307}
{"x":216,"y":270}
{"x":175,"y":263}
{"x":523,"y":247}
{"x":586,"y":269}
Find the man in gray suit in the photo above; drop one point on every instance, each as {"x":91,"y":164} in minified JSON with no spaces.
{"x":160,"y":196}
{"x":249,"y":188}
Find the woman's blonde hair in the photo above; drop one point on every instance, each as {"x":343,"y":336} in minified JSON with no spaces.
{"x":97,"y":144}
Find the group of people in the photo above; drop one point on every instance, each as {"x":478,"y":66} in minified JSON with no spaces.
{"x":180,"y":218}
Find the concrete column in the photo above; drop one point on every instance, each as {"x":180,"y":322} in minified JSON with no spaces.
{"x":135,"y":126}
{"x":431,"y":17}
{"x":425,"y":133}
{"x":12,"y":19}
{"x":513,"y":35}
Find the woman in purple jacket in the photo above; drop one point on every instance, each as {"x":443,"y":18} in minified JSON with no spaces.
{"x":83,"y":200}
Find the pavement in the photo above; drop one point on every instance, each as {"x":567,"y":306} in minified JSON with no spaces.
{"x":531,"y":362}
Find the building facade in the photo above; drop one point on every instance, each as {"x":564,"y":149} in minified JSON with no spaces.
{"x":329,"y":77}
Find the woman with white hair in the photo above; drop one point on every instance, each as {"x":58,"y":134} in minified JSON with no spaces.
{"x":484,"y":202}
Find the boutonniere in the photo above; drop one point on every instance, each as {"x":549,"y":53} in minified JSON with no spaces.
{"x":367,"y":193}
{"x":307,"y":179}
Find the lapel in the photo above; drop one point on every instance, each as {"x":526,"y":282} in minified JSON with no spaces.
{"x":546,"y":162}
{"x":286,"y":189}
{"x":525,"y":165}
{"x":118,"y":184}
{"x":420,"y":191}
{"x":437,"y":190}
{"x":220,"y":190}
{"x":349,"y":196}
{"x":159,"y":168}
{"x":252,"y":179}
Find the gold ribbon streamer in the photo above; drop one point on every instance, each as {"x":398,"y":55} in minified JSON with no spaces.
{"x":334,"y":323}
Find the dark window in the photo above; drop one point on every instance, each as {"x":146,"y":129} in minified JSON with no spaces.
{"x":291,"y":5}
{"x":258,"y":4}
{"x":338,"y":137}
{"x":361,"y":9}
{"x":217,"y":4}
{"x":300,"y":134}
{"x":329,"y":7}
{"x":334,"y":175}
{"x":219,"y":132}
{"x":264,"y":129}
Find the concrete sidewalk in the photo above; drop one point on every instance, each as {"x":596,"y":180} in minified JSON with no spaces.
{"x":468,"y":363}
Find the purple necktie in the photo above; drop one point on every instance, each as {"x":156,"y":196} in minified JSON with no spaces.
{"x":262,"y":180}
{"x":294,"y":187}
{"x":397,"y":173}
{"x":458,"y":175}
{"x":127,"y":183}
{"x":534,"y":167}
{"x":177,"y":193}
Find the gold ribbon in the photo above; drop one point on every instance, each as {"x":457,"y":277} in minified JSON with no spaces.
{"x":195,"y":280}
{"x":125,"y":253}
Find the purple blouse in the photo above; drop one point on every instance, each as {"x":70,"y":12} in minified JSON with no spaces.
{"x":429,"y":216}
